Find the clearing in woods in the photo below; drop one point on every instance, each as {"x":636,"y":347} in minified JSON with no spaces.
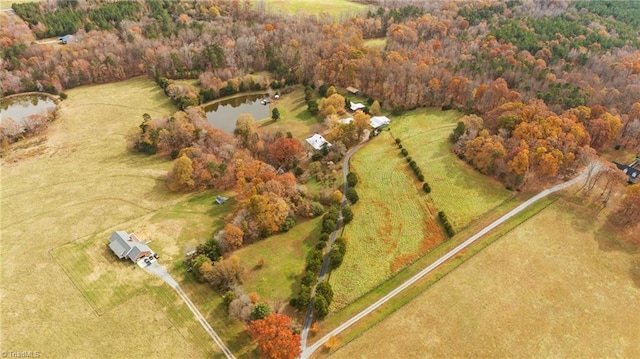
{"x":61,"y":199}
{"x":561,"y":293}
{"x":334,"y":8}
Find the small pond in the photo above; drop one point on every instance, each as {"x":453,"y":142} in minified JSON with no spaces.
{"x":223,"y":114}
{"x":20,"y":108}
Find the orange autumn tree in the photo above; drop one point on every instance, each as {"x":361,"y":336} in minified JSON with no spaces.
{"x":275,"y":337}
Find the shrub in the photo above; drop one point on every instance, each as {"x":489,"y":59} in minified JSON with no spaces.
{"x":63,"y":96}
{"x":288,"y":224}
{"x":298,"y":171}
{"x":335,"y":257}
{"x":420,"y":177}
{"x":227,"y":298}
{"x":426,"y":187}
{"x":404,"y":152}
{"x":347,"y":215}
{"x":328,"y":226}
{"x":324,"y":289}
{"x":324,"y":237}
{"x":314,"y":260}
{"x":352,"y":179}
{"x":321,"y":245}
{"x":309,"y":279}
{"x":320,"y":307}
{"x":260,"y":311}
{"x":352,"y":195}
{"x":445,"y":222}
{"x":408,"y":159}
{"x":317,"y":208}
{"x":304,"y":297}
{"x":398,"y":141}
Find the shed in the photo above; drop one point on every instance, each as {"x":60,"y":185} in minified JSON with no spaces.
{"x":221,"y":200}
{"x":65,"y":39}
{"x":352,"y":90}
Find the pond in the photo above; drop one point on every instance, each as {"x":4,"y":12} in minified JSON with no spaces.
{"x":223,"y":114}
{"x":20,"y":108}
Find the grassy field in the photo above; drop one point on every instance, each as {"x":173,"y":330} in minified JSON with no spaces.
{"x":560,"y":295}
{"x":377,"y":43}
{"x":334,"y":8}
{"x":61,"y":198}
{"x":459,"y":190}
{"x":294,"y":116}
{"x":393,"y":222}
{"x":284,"y":259}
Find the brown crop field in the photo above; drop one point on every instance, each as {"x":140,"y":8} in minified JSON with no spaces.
{"x":552,"y":287}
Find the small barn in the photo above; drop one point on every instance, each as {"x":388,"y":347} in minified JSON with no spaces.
{"x":318,"y":142}
{"x":378,"y":122}
{"x":356,"y":106}
{"x":353,"y":90}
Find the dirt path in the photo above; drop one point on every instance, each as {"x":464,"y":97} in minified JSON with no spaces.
{"x":308,"y":351}
{"x":160,"y":271}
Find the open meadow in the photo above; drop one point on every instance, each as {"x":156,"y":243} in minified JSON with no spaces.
{"x":563,"y":292}
{"x":335,"y":8}
{"x":62,"y":292}
{"x":463,"y":193}
{"x":394,"y":221}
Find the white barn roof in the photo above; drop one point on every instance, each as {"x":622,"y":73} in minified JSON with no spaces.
{"x":379,"y":121}
{"x":356,"y":106}
{"x":317,"y":141}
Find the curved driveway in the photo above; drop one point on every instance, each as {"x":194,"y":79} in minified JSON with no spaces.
{"x":306,"y":352}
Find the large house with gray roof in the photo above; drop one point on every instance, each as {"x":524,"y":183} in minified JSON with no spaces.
{"x":128,"y":246}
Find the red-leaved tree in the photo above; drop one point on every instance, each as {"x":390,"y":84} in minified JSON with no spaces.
{"x":275,"y":337}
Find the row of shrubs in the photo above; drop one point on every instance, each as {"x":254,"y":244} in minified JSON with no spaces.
{"x":425,"y":187}
{"x":445,"y":222}
{"x":414,"y":166}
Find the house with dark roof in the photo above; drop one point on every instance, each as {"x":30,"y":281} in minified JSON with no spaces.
{"x":129,"y":246}
{"x":632,"y":171}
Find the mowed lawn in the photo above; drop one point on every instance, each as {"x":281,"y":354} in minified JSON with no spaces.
{"x":546,"y":289}
{"x":62,"y":293}
{"x":463,"y":193}
{"x":393,"y":222}
{"x":284,"y":255}
{"x":294,"y":116}
{"x":314,"y":7}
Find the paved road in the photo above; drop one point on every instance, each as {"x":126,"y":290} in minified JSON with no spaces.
{"x":160,"y":271}
{"x":325,"y":262}
{"x":306,"y":352}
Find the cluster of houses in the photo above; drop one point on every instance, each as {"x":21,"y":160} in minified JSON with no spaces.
{"x":318,"y":142}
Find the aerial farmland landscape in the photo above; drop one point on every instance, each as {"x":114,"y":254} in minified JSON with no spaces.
{"x":319,"y":179}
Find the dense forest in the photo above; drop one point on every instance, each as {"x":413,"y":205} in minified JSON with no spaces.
{"x":542,"y":83}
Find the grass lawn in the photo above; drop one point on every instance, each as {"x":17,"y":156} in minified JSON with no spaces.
{"x":334,"y":8}
{"x":537,"y":292}
{"x":393,"y":222}
{"x":377,"y":43}
{"x":61,"y":199}
{"x":294,"y":116}
{"x":459,"y":190}
{"x":284,"y":259}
